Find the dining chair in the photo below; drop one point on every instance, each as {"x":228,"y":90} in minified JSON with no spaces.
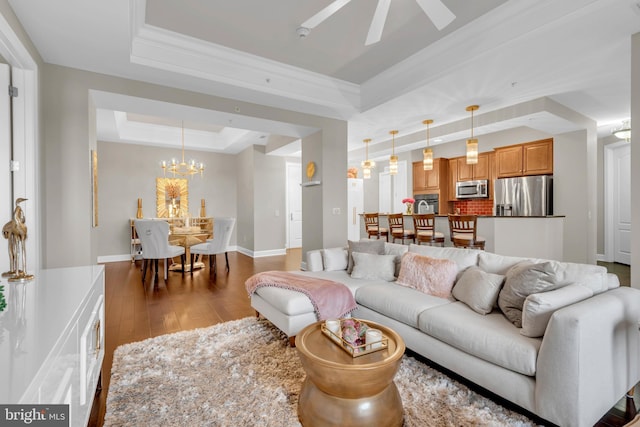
{"x":396,"y":227}
{"x":424,"y":226}
{"x":463,"y":232}
{"x":154,"y":239}
{"x":222,"y":229}
{"x":372,"y":226}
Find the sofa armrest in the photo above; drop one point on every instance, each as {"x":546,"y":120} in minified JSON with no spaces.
{"x":314,"y":260}
{"x":589,"y":357}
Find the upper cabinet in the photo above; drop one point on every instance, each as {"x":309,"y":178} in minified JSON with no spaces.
{"x":460,"y":171}
{"x":531,"y":158}
{"x":433,"y":180}
{"x":481,"y":170}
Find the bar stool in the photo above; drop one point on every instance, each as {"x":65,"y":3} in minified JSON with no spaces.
{"x":462,"y":229}
{"x":396,"y":226}
{"x":424,"y":226}
{"x":373,"y":228}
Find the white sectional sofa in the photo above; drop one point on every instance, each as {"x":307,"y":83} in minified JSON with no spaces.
{"x":586,"y":359}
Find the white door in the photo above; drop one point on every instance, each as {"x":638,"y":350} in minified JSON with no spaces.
{"x":294,"y":205}
{"x":400,"y":189}
{"x":384,"y":192}
{"x":622,"y":204}
{"x":355,"y":206}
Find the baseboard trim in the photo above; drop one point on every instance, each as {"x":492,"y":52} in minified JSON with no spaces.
{"x":113,"y":258}
{"x":261,"y":254}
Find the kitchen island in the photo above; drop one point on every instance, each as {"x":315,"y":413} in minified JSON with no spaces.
{"x":523,"y":236}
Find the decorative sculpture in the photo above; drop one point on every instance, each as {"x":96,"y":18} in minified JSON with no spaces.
{"x":15,"y":231}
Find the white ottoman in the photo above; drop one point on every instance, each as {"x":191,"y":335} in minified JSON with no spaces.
{"x":289,"y":310}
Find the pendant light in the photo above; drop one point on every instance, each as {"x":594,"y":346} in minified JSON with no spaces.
{"x":393,"y":160}
{"x":367,"y":164}
{"x":472,"y":143}
{"x":427,"y":153}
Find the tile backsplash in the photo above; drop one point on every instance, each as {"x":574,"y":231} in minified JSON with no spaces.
{"x":474,"y":206}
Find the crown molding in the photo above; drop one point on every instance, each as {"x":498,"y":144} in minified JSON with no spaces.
{"x":166,"y":50}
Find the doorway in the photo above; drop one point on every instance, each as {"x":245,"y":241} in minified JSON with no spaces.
{"x":294,"y":205}
{"x":617,"y":208}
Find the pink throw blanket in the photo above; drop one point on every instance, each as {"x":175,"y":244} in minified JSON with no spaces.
{"x":330,"y":300}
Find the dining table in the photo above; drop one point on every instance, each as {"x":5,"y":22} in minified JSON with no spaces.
{"x":187,"y":237}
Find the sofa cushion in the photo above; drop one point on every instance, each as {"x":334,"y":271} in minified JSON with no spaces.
{"x":589,"y":275}
{"x":429,"y":275}
{"x":397,"y":302}
{"x":366,"y":246}
{"x":372,"y":266}
{"x":478,"y":289}
{"x":492,"y":337}
{"x":500,"y":264}
{"x":522,"y":280}
{"x":398,"y":250}
{"x":538,"y":308}
{"x":335,"y":259}
{"x":463,"y":257}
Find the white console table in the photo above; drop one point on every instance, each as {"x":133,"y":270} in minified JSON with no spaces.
{"x":52,"y":339}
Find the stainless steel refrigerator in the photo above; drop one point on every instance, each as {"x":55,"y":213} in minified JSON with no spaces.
{"x":523,"y":196}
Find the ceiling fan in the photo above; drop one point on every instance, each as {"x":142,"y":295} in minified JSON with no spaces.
{"x":439,"y":14}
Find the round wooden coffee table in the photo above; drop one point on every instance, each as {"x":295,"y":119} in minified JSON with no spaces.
{"x":341,"y":390}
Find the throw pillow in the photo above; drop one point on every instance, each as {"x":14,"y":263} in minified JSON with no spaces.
{"x":478,"y":289}
{"x":522,"y":280}
{"x":334,"y":259}
{"x":373,"y":266}
{"x":365,"y":246}
{"x":397,"y":250}
{"x":538,"y":308}
{"x":429,"y":275}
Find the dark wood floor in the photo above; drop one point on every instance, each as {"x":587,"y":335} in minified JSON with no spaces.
{"x":135,"y":313}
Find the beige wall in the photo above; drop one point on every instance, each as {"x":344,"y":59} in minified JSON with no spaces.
{"x":69,"y":239}
{"x":128,"y":172}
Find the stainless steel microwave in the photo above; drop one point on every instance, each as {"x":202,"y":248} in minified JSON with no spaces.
{"x":472,"y":189}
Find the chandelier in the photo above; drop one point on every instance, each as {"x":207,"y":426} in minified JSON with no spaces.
{"x":183,"y":168}
{"x":367,"y":164}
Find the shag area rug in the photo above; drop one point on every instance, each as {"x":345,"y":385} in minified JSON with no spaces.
{"x":243,"y":373}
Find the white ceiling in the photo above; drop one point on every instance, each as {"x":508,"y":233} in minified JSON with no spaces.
{"x":495,"y":53}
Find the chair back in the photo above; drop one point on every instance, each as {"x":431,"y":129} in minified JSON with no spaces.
{"x":222,"y":230}
{"x":424,"y":224}
{"x":371,"y":221}
{"x":462,"y":229}
{"x":396,"y":223}
{"x":154,"y":238}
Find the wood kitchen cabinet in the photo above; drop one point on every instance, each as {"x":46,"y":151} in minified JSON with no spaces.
{"x":531,"y":158}
{"x":472,"y":172}
{"x":453,"y":178}
{"x":433,"y":180}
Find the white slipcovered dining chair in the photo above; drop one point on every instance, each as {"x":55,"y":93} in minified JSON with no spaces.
{"x":222,"y":229}
{"x":154,"y":239}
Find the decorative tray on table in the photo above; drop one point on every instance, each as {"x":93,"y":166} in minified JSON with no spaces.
{"x":359,"y":347}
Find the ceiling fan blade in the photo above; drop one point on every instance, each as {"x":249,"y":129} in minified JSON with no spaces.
{"x":324,"y":13}
{"x":439,"y":14}
{"x":377,"y":23}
